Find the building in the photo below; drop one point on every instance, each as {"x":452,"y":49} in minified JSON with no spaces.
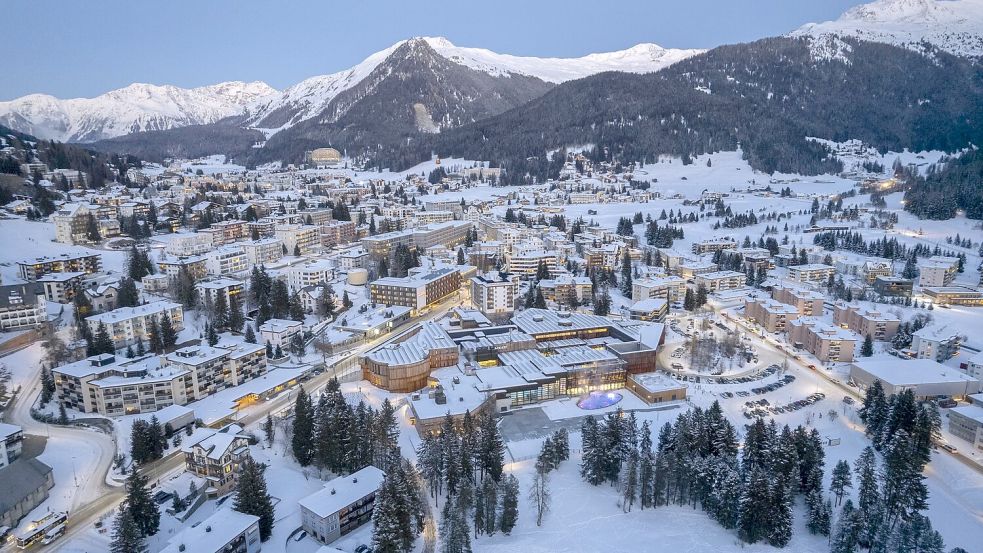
{"x":713,"y":245}
{"x":25,"y":484}
{"x":336,"y":233}
{"x":381,"y":246}
{"x":966,"y":422}
{"x":322,"y":157}
{"x":11,"y":443}
{"x":311,"y":273}
{"x":811,"y":272}
{"x":72,"y":223}
{"x":719,"y":281}
{"x":935,"y":341}
{"x":33,"y":269}
{"x":262,"y":251}
{"x":652,"y":309}
{"x":893,"y":286}
{"x":866,"y":322}
{"x":925,"y":377}
{"x":828,"y":343}
{"x":302,"y":238}
{"x":226,"y":261}
{"x":343,"y":505}
{"x":127,"y":325}
{"x":22,"y":306}
{"x":656,"y":388}
{"x":61,"y":287}
{"x":672,"y":288}
{"x":183,"y":245}
{"x":416,"y":291}
{"x":955,"y":295}
{"x":806,"y":302}
{"x":114,"y":386}
{"x":197,"y":266}
{"x":772,"y":315}
{"x":278,"y":332}
{"x":974,"y":367}
{"x":494,"y":294}
{"x":210,"y":290}
{"x":526,"y":263}
{"x":225,"y":531}
{"x":216,"y":456}
{"x":450,"y":234}
{"x":689,"y":269}
{"x":937,"y":271}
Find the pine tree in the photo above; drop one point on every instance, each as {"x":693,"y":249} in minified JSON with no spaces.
{"x":236,"y":320}
{"x":250,"y":335}
{"x":754,"y":511}
{"x":47,"y":386}
{"x":780,"y":513}
{"x":269,"y":430}
{"x":141,"y":506}
{"x":592,"y":458}
{"x":491,"y":449}
{"x":103,"y":342}
{"x":489,"y":493}
{"x":252,"y":497}
{"x":846,"y":537}
{"x":626,"y":275}
{"x":303,"y":429}
{"x":168,"y":335}
{"x":220,"y":312}
{"x":629,"y":482}
{"x":127,"y":295}
{"x":820,"y":513}
{"x":62,"y":414}
{"x":510,"y":504}
{"x":841,"y":480}
{"x":867,"y":349}
{"x":127,"y":537}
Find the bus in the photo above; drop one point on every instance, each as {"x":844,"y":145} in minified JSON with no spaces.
{"x":37,"y":531}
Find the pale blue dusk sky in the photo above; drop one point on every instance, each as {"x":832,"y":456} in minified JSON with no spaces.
{"x":79,"y":48}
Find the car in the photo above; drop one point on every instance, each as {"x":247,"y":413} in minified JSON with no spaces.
{"x":300,"y":536}
{"x":813,"y":367}
{"x":950,"y":448}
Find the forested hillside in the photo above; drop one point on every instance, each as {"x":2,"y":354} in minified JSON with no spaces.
{"x":957,"y":184}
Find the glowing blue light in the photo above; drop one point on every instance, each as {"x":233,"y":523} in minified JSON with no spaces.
{"x":598,"y":400}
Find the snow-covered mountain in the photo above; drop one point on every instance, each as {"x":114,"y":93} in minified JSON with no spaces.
{"x":955,"y":26}
{"x":137,"y":107}
{"x":310,"y":97}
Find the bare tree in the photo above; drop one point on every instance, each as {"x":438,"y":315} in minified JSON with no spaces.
{"x":539,"y":494}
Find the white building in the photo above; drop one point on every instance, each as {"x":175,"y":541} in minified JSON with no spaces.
{"x":22,"y":306}
{"x":209,"y":290}
{"x":182,"y":245}
{"x":226,"y":531}
{"x":128,"y":324}
{"x":925,"y":377}
{"x":811,"y":272}
{"x":298,"y":237}
{"x":226,"y":260}
{"x":11,"y":442}
{"x":719,"y":281}
{"x":278,"y":332}
{"x":262,"y":251}
{"x":310,"y":273}
{"x":343,"y":505}
{"x":937,"y":271}
{"x":935,"y":341}
{"x":494,"y":293}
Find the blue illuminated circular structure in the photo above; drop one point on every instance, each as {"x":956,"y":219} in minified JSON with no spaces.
{"x":598,"y":400}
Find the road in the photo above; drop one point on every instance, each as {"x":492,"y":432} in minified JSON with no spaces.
{"x":83,"y":516}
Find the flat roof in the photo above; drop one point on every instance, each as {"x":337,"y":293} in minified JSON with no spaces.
{"x":213,"y":533}
{"x":911,"y":372}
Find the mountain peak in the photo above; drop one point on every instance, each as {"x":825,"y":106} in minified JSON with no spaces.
{"x":955,"y":26}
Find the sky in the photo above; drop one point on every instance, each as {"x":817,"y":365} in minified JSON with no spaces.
{"x":83,"y":49}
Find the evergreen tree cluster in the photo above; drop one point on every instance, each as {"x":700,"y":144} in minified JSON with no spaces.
{"x":148,"y":440}
{"x":398,"y":515}
{"x":662,"y":236}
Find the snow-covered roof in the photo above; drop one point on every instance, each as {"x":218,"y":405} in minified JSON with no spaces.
{"x":213,"y":534}
{"x":343,"y":491}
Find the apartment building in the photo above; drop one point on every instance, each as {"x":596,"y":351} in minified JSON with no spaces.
{"x":494,"y":294}
{"x":227,"y":232}
{"x":955,"y":295}
{"x":33,"y":269}
{"x":216,"y":456}
{"x":652,"y":310}
{"x":183,"y":245}
{"x":430,"y":217}
{"x":263,"y":228}
{"x":811,"y":272}
{"x":806,"y":302}
{"x":771,"y":314}
{"x":11,"y":443}
{"x":416,"y":291}
{"x":526,"y":263}
{"x":936,"y":341}
{"x":62,"y":287}
{"x":262,"y":252}
{"x":209,"y":290}
{"x":937,"y":271}
{"x":227,"y":261}
{"x":225,"y":531}
{"x":893,"y":286}
{"x":381,"y":246}
{"x":278,"y":332}
{"x":672,"y":288}
{"x":316,"y":217}
{"x":567,"y":290}
{"x":335,"y":233}
{"x":310,"y":273}
{"x":126,"y":325}
{"x":22,"y":306}
{"x":713,"y":245}
{"x":689,"y":269}
{"x":304,"y":238}
{"x":72,"y":223}
{"x":196,"y":265}
{"x":720,"y":281}
{"x":866,"y":322}
{"x":450,"y":234}
{"x":344,"y":504}
{"x":826,"y":342}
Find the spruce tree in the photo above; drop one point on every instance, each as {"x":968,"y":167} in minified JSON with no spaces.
{"x":252,"y":497}
{"x":269,"y":430}
{"x":168,"y":335}
{"x":141,"y":505}
{"x":250,"y":335}
{"x":303,"y":429}
{"x":867,"y":349}
{"x":510,"y":504}
{"x":127,"y":537}
{"x":489,"y":493}
{"x":492,"y":449}
{"x":841,"y":480}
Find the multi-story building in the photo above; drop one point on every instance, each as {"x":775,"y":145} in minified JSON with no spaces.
{"x":302,"y":238}
{"x":262,"y":251}
{"x":893,"y":286}
{"x":567,"y":290}
{"x":450,"y":234}
{"x":806,"y":302}
{"x":11,"y":443}
{"x":936,"y":341}
{"x":652,"y":309}
{"x":278,"y":332}
{"x":227,"y":232}
{"x":713,"y":245}
{"x":526,"y":263}
{"x":127,"y":325}
{"x":494,"y":294}
{"x":343,"y":505}
{"x":937,"y":271}
{"x":196,"y":265}
{"x":25,"y":485}
{"x":416,"y":291}
{"x":431,"y":217}
{"x":337,"y":232}
{"x":689,"y":269}
{"x":22,"y":306}
{"x":216,"y":456}
{"x":227,"y":261}
{"x":209,"y":290}
{"x":311,"y":273}
{"x":183,"y":245}
{"x":955,"y":295}
{"x":827,"y":342}
{"x":718,"y":281}
{"x":114,"y":386}
{"x":61,"y":287}
{"x":225,"y":531}
{"x":72,"y":223}
{"x":811,"y":272}
{"x":33,"y":269}
{"x":672,"y":288}
{"x":771,"y":314}
{"x":873,"y":269}
{"x":866,"y":322}
{"x":381,"y":246}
